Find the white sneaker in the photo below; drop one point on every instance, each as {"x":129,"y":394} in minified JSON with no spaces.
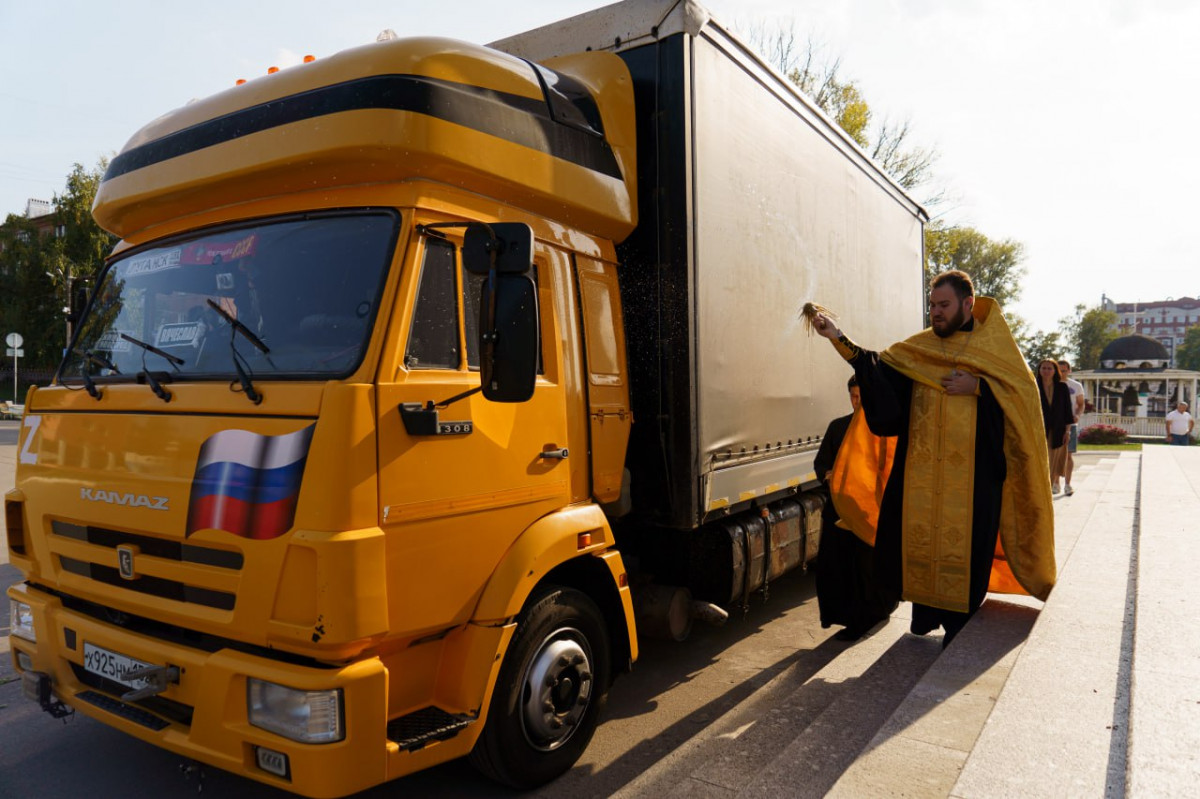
{"x":1054,"y":489}
{"x":1068,"y":490}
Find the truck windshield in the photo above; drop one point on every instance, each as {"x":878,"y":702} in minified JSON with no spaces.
{"x":307,"y":289}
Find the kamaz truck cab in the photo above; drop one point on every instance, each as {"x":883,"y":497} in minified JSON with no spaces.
{"x":315,"y":495}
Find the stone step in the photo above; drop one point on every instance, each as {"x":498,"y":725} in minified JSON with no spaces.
{"x":894,"y":715}
{"x":1027,"y":702}
{"x":920,"y":750}
{"x":832,"y":712}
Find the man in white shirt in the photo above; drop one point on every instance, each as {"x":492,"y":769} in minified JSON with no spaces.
{"x":1179,"y":425}
{"x":1077,"y":406}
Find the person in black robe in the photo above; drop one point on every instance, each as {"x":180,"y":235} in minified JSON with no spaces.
{"x":847,"y":591}
{"x":887,"y":403}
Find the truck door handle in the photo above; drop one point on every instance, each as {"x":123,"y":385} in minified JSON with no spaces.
{"x":554,"y":453}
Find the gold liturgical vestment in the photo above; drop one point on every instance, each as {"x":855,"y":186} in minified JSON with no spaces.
{"x":939,"y":468}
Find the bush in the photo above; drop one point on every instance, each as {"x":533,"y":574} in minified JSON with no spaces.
{"x":1102,"y":434}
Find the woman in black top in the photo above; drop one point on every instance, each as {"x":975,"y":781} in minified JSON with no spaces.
{"x":1058,"y":416}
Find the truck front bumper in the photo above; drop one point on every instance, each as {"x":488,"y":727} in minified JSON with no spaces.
{"x":203,"y":713}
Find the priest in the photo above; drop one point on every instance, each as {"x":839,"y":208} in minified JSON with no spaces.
{"x":967,"y":506}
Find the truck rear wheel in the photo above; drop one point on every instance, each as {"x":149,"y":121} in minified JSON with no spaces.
{"x":549,"y":692}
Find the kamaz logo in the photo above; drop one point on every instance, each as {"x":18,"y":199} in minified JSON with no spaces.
{"x":130,"y":500}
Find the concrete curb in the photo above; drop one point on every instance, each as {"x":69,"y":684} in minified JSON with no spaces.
{"x":1059,"y":726}
{"x":985,"y":714}
{"x":1164,"y":736}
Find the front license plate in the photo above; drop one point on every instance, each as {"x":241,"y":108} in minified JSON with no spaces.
{"x":112,"y":665}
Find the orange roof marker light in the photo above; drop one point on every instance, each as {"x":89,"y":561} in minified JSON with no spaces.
{"x":308,"y":59}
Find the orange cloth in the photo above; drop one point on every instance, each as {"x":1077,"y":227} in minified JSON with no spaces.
{"x":860,"y":473}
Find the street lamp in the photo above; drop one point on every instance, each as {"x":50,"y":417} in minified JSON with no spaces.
{"x":61,"y":277}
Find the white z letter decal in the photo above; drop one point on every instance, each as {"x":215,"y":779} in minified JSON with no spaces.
{"x":31,"y":424}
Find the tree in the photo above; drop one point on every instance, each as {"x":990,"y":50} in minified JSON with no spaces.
{"x":1188,"y":354}
{"x":1035,"y":345}
{"x":1040,"y":346}
{"x":78,"y":254}
{"x":28,"y":304}
{"x":911,"y":167}
{"x":38,"y":271}
{"x":994,"y":266}
{"x":1088,"y":334}
{"x":83,"y":241}
{"x":843,"y":102}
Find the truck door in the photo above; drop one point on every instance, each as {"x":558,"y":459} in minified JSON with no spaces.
{"x":453,"y":501}
{"x":607,"y":385}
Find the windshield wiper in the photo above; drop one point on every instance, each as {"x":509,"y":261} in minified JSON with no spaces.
{"x":149,"y":377}
{"x":100,"y":360}
{"x":243,"y":375}
{"x":88,"y":384}
{"x":239,"y":327}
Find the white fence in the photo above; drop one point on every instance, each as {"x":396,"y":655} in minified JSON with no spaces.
{"x":1143,"y":427}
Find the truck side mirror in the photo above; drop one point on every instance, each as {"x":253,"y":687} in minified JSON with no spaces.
{"x":508,"y":311}
{"x":510,"y":242}
{"x":509,"y":340}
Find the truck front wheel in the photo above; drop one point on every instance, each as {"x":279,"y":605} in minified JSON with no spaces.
{"x":549,"y":692}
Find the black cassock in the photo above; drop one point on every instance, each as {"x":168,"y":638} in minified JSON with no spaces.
{"x":847,"y":591}
{"x":887,"y":401}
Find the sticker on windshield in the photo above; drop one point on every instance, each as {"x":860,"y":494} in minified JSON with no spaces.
{"x":152,"y":262}
{"x":247,"y":484}
{"x":178,"y":335}
{"x":204,"y":253}
{"x":225,"y":281}
{"x":111,"y":341}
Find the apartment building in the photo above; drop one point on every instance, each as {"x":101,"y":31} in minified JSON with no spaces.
{"x":1165,"y":320}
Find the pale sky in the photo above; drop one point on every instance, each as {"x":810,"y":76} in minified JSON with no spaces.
{"x":1065,"y":125}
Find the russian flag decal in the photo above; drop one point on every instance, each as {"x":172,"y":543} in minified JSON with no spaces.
{"x":247,"y":484}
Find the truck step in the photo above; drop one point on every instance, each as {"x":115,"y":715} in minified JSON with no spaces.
{"x":419,"y":729}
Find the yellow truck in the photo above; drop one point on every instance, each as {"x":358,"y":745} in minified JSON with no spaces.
{"x":413,"y":367}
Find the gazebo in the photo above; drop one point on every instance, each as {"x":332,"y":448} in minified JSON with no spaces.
{"x":1133,"y":383}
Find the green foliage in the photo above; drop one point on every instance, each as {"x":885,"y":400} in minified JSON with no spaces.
{"x":851,"y":112}
{"x":1035,"y":345}
{"x":28,"y":306}
{"x":37,"y":270}
{"x":1188,"y":355}
{"x":840,"y":100}
{"x":1135,"y":447}
{"x":994,"y":266}
{"x":1088,"y":334}
{"x":84,"y":244}
{"x":1102,"y":434}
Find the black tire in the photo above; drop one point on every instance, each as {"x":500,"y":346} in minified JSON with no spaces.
{"x":549,"y":692}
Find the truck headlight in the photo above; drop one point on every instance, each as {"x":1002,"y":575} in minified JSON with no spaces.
{"x":20,"y":621}
{"x":311,"y":717}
